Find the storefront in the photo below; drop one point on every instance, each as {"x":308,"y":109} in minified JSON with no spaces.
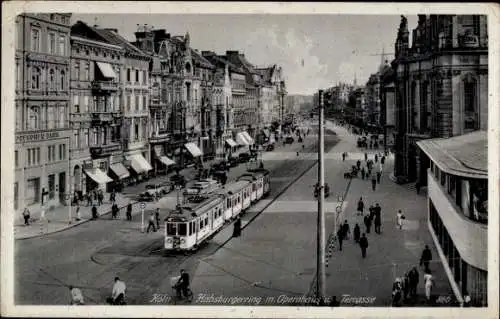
{"x":96,"y":179}
{"x":230,"y":146}
{"x":139,"y":167}
{"x":162,"y":163}
{"x":120,"y":176}
{"x":194,"y":153}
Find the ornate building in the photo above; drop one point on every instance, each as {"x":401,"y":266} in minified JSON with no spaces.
{"x":42,"y":130}
{"x":373,"y":99}
{"x":441,"y":85}
{"x":95,"y":108}
{"x":177,"y":100}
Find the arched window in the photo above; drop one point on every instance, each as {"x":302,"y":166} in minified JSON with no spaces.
{"x":63,"y":80}
{"x":35,"y":78}
{"x":52,"y":80}
{"x":33,"y":118}
{"x":188,"y":68}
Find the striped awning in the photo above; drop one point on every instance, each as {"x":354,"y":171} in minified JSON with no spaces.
{"x":193,"y":149}
{"x":166,"y":160}
{"x":139,"y":163}
{"x":98,"y":176}
{"x":231,"y":142}
{"x":120,"y":170}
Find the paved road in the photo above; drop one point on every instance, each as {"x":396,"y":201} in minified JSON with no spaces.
{"x":90,"y":255}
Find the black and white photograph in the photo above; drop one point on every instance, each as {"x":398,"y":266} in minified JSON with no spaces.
{"x":309,"y":158}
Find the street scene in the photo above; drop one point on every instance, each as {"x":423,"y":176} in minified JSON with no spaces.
{"x":156,"y":166}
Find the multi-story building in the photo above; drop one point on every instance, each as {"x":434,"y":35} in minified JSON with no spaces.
{"x":458,"y":210}
{"x":95,"y":110}
{"x":359,"y":106}
{"x":203,"y":90}
{"x":42,"y":130}
{"x":176,"y":70}
{"x":373,"y":99}
{"x":273,"y":95}
{"x":388,"y":105}
{"x":441,"y":85}
{"x":134,"y":102}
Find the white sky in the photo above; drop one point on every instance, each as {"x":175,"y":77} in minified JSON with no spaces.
{"x":333,"y":47}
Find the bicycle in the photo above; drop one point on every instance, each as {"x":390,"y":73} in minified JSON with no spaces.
{"x":179,"y":296}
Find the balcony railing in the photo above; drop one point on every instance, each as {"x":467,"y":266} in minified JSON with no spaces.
{"x":99,"y":118}
{"x":104,"y":85}
{"x":105,"y":150}
{"x":162,"y":136}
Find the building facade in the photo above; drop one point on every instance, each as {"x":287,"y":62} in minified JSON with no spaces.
{"x":95,"y":113}
{"x":441,"y":85}
{"x":42,"y":128}
{"x":458,"y":210}
{"x":373,"y":99}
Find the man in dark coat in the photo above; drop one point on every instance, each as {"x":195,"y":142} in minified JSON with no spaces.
{"x":426,"y":257}
{"x":378,"y":219}
{"x":413,"y":278}
{"x":157,"y":217}
{"x":368,"y":223}
{"x":94,"y":212}
{"x":346,"y":229}
{"x":358,"y":164}
{"x":366,"y":157}
{"x":361,"y":206}
{"x":374,"y":182}
{"x":114,"y":211}
{"x":363,"y":173}
{"x":357,"y":232}
{"x":129,"y":212}
{"x":340,"y":237}
{"x":363,"y":243}
{"x":237,"y":228}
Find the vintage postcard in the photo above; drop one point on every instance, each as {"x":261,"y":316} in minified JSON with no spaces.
{"x":183,"y":159}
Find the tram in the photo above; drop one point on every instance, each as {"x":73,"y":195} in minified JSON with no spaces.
{"x":203,"y":215}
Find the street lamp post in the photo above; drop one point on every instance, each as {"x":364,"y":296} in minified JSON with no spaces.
{"x":321,"y":242}
{"x":68,"y":198}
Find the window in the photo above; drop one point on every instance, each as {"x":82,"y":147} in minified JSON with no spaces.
{"x":19,"y":117}
{"x":51,"y":153}
{"x":63,"y":80}
{"x":86,"y":71}
{"x":145,"y":77}
{"x":62,"y":45}
{"x":16,"y":195}
{"x":470,"y":95}
{"x":76,"y":76}
{"x":188,"y":92}
{"x":52,"y":43}
{"x":33,"y":118}
{"x":35,"y":40}
{"x":32,"y":195}
{"x":18,"y":75}
{"x":451,"y":185}
{"x":136,"y":131}
{"x":136,"y":103}
{"x":86,"y":137}
{"x":144,"y":102}
{"x":443,"y":178}
{"x":128,"y":75}
{"x":129,"y":102}
{"x":16,"y":159}
{"x":171,"y":229}
{"x":52,"y":186}
{"x":76,"y":139}
{"x":424,"y":107}
{"x":62,"y":151}
{"x":52,"y":80}
{"x":51,"y":117}
{"x":182,"y":229}
{"x":35,"y":78}
{"x":136,"y":75}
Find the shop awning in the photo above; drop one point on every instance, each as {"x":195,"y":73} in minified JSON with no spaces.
{"x":139,"y":163}
{"x":248,"y":138}
{"x":241,"y":139}
{"x":165,"y":160}
{"x":120,"y":170}
{"x":106,"y":69}
{"x":98,"y":176}
{"x":231,"y":142}
{"x":193,"y":149}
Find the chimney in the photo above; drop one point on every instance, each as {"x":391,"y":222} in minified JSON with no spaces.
{"x":231,"y":53}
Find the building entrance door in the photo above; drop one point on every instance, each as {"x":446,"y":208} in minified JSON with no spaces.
{"x":62,"y":186}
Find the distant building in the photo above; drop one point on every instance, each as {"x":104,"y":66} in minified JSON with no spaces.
{"x":441,"y":85}
{"x":42,"y":128}
{"x":458,"y":210}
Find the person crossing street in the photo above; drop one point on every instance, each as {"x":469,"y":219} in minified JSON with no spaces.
{"x":363,"y":243}
{"x":151,"y":223}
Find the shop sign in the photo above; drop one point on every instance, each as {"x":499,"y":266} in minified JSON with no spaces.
{"x":33,"y":137}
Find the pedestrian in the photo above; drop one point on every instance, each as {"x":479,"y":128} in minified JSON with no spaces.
{"x":426,"y":258}
{"x":379,"y":175}
{"x":428,"y":284}
{"x":363,"y":173}
{"x":399,"y":219}
{"x":26,"y":216}
{"x":358,"y":164}
{"x":76,"y":296}
{"x":346,"y":229}
{"x":94,"y":212}
{"x":340,"y":237}
{"x":89,"y":199}
{"x":357,"y":232}
{"x":157,"y":216}
{"x":406,"y":286}
{"x":417,"y":186}
{"x":237,"y":228}
{"x":151,"y":223}
{"x":366,"y":157}
{"x":111,"y":197}
{"x":297,"y":153}
{"x":374,"y":182}
{"x":372,"y":212}
{"x":413,"y":277}
{"x":368,"y":223}
{"x":376,"y":158}
{"x":382,"y":160}
{"x":129,"y":212}
{"x":361,"y":206}
{"x":343,"y":157}
{"x":78,"y":216}
{"x":378,"y":222}
{"x":114,"y":211}
{"x":95,"y":197}
{"x":363,"y":243}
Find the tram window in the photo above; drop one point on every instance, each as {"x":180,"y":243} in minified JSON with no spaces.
{"x":228,"y":203}
{"x":194,"y":227}
{"x":201,"y":224}
{"x":171,"y":229}
{"x":190,"y":231}
{"x":206,"y":220}
{"x":182,"y":229}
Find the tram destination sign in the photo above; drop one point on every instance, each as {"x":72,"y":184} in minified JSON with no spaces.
{"x":33,"y":137}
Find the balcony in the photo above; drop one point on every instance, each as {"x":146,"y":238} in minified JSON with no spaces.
{"x":100,"y":118}
{"x":162,"y":136}
{"x":104,"y":85}
{"x":105,"y":150}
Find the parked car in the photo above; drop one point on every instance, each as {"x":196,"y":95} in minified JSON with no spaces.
{"x":289,"y":140}
{"x":178,"y":180}
{"x":160,"y":189}
{"x":233,"y":162}
{"x":270,"y":147}
{"x":244,"y":157}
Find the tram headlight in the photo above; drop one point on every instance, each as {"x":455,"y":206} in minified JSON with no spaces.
{"x":183,"y":240}
{"x":169,"y":240}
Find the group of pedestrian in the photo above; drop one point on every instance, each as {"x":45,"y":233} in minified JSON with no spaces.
{"x":154,"y":221}
{"x":95,"y":196}
{"x":374,"y":216}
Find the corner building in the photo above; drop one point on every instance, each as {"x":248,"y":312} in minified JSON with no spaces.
{"x":42,"y":131}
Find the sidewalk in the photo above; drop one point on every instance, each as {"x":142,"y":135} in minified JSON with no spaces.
{"x":389,"y":254}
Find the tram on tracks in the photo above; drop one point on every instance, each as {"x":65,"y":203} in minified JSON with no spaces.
{"x":203,"y":215}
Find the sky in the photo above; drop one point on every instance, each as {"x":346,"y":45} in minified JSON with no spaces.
{"x":315,"y":51}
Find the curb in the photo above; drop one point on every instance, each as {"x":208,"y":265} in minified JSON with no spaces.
{"x":69,"y":226}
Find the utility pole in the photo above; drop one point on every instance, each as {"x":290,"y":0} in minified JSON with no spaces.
{"x":321,"y":243}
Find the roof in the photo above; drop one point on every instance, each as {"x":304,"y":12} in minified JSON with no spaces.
{"x":267,"y":73}
{"x":464,"y":155}
{"x":218,"y":59}
{"x":235,"y":186}
{"x":200,"y":60}
{"x":115,"y":38}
